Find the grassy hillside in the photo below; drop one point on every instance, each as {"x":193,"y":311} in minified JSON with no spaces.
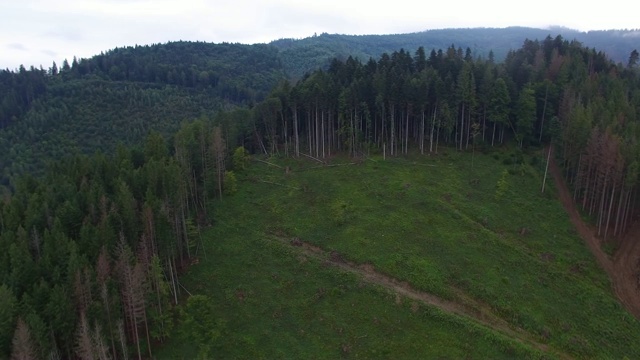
{"x":471,"y":230}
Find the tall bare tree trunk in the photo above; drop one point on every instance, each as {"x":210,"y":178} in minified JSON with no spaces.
{"x":606,"y":227}
{"x":323,"y":136}
{"x":433,"y":124}
{"x":544,"y":110}
{"x":295,"y":130}
{"x":122,"y":336}
{"x":218,"y":150}
{"x":461,"y":125}
{"x":484,"y":121}
{"x":602,"y":202}
{"x":621,"y":196}
{"x":437,"y":137}
{"x":173,"y":280}
{"x":493,"y":134}
{"x":468,"y":130}
{"x":546,"y":169}
{"x":393,"y":111}
{"x":406,"y":135}
{"x":422,"y":135}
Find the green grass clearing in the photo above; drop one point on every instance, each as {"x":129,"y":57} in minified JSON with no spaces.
{"x":437,"y":223}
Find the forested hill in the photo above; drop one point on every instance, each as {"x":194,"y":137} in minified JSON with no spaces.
{"x":92,"y":104}
{"x":300,"y":55}
{"x":553,"y":90}
{"x":93,"y":247}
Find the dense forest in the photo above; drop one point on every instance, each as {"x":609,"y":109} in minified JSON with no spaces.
{"x":95,"y":243}
{"x":92,"y":104}
{"x":553,"y":90}
{"x":94,"y":247}
{"x":301,"y":55}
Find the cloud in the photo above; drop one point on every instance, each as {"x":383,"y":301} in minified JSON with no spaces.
{"x":17,"y":46}
{"x":50,"y":53}
{"x":84,"y":28}
{"x":65,"y":34}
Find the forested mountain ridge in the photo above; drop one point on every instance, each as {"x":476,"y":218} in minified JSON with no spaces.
{"x":551,"y":90}
{"x":95,"y":244}
{"x":119,"y":96}
{"x":302,"y":55}
{"x":90,"y":104}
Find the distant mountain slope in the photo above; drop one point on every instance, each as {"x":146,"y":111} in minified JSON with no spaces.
{"x":300,"y":56}
{"x":119,"y":96}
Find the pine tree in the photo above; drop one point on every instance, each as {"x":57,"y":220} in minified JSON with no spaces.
{"x":218,"y":148}
{"x":499,"y":108}
{"x":526,"y":115}
{"x":23,"y":347}
{"x":8,"y":310}
{"x":84,"y":345}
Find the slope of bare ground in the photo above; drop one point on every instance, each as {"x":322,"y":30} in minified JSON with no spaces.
{"x":466,"y":307}
{"x":622,"y":270}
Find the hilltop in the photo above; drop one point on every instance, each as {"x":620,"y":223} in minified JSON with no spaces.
{"x":381,"y":208}
{"x":301,"y":55}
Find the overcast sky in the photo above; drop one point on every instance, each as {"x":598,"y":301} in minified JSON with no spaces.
{"x":38,"y":32}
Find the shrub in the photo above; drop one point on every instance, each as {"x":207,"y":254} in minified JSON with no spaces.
{"x":503,"y":185}
{"x":230,"y":183}
{"x":240,"y":159}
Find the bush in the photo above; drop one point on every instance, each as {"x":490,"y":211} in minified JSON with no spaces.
{"x":341,"y":212}
{"x":202,"y":325}
{"x":503,"y":185}
{"x":240,"y":158}
{"x":230,"y":183}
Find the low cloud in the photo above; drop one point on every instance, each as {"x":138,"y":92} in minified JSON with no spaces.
{"x":49,"y":53}
{"x":84,"y":28}
{"x":17,"y":46}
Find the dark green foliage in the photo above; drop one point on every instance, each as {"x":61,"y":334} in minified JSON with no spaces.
{"x":96,"y":241}
{"x":588,"y":104}
{"x":67,"y":277}
{"x":430,"y":221}
{"x":201,"y":326}
{"x":8,"y":312}
{"x":402,"y":101}
{"x":121,"y":96}
{"x":301,"y":56}
{"x":18,"y":90}
{"x":526,"y":115}
{"x":502,"y":186}
{"x":240,"y":159}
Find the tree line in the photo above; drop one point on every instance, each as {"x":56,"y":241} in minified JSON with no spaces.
{"x":95,"y":245}
{"x":88,"y":105}
{"x":94,"y":248}
{"x":547,"y":91}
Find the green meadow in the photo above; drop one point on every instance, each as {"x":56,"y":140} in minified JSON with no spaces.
{"x":473,"y":230}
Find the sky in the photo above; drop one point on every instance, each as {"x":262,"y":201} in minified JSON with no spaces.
{"x":38,"y":32}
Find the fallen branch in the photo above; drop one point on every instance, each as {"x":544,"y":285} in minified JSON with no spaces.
{"x":266,"y":162}
{"x":185,"y":289}
{"x":274,"y":183}
{"x":311,"y":157}
{"x":323,"y":166}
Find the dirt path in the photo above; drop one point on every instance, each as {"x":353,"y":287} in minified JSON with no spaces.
{"x":465,"y":307}
{"x":626,"y":271}
{"x":622,"y":270}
